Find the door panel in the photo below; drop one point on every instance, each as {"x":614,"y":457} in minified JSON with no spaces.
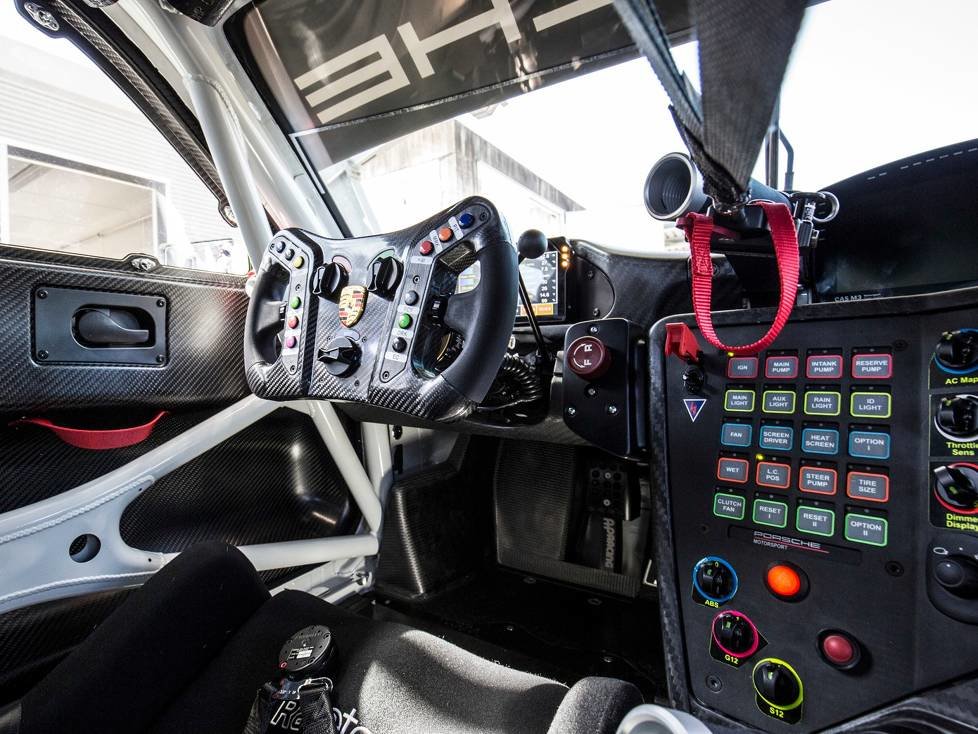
{"x":205,"y":321}
{"x":272,"y":481}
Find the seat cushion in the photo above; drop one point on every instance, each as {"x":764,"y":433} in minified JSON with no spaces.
{"x":188,"y":651}
{"x":389,"y":678}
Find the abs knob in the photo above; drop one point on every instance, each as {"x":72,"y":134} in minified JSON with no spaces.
{"x":588,"y":357}
{"x":956,"y":487}
{"x":957,"y":417}
{"x":958,"y":575}
{"x":341,"y":356}
{"x":777,"y":684}
{"x":715,"y":579}
{"x":958,"y":350}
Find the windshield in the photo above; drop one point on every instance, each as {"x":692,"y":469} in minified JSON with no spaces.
{"x":563,"y":142}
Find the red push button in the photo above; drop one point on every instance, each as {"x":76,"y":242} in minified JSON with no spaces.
{"x":290,"y":342}
{"x":445,"y":234}
{"x":588,"y":357}
{"x":293,"y":321}
{"x":786,"y":581}
{"x":839,"y":650}
{"x":426,"y":248}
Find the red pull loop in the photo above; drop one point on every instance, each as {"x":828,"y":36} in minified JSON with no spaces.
{"x":699,"y":231}
{"x":82,"y":438}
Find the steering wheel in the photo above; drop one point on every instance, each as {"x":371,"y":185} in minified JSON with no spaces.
{"x":385,"y":320}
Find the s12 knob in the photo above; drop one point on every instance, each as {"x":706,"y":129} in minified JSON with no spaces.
{"x":956,"y":487}
{"x":957,"y":417}
{"x":958,"y":350}
{"x":777,"y":684}
{"x":715,"y":579}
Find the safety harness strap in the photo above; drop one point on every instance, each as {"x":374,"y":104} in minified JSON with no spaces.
{"x":699,"y":231}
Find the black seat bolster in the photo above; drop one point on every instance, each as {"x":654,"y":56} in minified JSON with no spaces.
{"x":10,"y":718}
{"x":144,"y":654}
{"x":595,"y":706}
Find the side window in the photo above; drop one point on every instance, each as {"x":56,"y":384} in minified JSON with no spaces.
{"x":83,"y":171}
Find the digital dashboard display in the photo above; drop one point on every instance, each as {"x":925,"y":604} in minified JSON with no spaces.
{"x":543,"y":282}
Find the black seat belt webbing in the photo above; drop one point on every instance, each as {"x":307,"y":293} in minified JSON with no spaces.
{"x":744,"y":47}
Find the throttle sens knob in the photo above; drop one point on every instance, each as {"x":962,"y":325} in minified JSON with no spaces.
{"x":341,"y":356}
{"x":956,"y":487}
{"x":958,"y":350}
{"x":957,"y":417}
{"x":588,"y":357}
{"x":715,"y":580}
{"x":777,"y":684}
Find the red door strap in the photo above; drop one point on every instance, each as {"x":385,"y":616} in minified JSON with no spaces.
{"x":95,"y":440}
{"x":699,"y":231}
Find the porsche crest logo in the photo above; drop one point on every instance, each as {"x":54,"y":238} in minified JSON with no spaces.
{"x":353,"y":298}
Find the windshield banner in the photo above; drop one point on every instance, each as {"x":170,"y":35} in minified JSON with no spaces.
{"x":356,"y":73}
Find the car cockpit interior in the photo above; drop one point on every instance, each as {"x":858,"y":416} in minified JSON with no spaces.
{"x":557,"y":366}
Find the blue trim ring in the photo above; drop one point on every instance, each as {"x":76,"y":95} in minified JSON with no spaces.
{"x":722,"y":562}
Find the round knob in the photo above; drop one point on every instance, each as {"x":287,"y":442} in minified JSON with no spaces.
{"x":958,"y":350}
{"x":957,"y":417}
{"x":956,"y":487}
{"x":777,"y":683}
{"x":532,"y":244}
{"x":715,"y":579}
{"x":341,"y":356}
{"x":588,"y":357}
{"x":734,"y":633}
{"x":330,"y":279}
{"x":958,"y":575}
{"x":386,"y":275}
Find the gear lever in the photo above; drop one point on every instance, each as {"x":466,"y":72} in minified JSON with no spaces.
{"x":531,"y":245}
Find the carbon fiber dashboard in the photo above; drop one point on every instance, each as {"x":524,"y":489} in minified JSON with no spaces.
{"x":205,"y":320}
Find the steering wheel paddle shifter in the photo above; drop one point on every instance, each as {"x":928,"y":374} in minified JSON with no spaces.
{"x":385,"y":320}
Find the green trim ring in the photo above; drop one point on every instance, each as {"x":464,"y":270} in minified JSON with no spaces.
{"x":801,"y":686}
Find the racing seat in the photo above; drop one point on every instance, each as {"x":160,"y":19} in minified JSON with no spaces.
{"x":188,"y":651}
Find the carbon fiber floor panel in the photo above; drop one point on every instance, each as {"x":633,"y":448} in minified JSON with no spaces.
{"x":272,"y":482}
{"x":35,"y":464}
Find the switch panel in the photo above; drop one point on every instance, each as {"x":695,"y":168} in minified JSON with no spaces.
{"x":824,"y":511}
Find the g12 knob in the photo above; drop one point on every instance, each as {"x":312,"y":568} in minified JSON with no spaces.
{"x":958,"y":575}
{"x":957,"y":417}
{"x":735,"y":634}
{"x":715,"y":579}
{"x":956,"y":487}
{"x":958,"y":350}
{"x":588,"y":357}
